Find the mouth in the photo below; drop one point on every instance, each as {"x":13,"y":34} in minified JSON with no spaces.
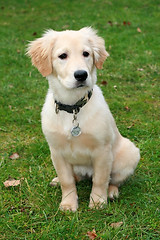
{"x":80,"y":85}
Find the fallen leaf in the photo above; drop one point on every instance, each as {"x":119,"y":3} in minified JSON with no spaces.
{"x":92,"y":235}
{"x":139,"y":30}
{"x":127,"y":108}
{"x":132,"y":204}
{"x":11,"y":182}
{"x":110,"y":23}
{"x":23,"y":209}
{"x":104,"y":83}
{"x":140,"y":69}
{"x":126,"y":23}
{"x":130,"y":126}
{"x":14,"y":156}
{"x":116,"y":225}
{"x":65,"y":26}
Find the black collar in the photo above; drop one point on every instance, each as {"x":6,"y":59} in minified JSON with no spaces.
{"x":73,"y":108}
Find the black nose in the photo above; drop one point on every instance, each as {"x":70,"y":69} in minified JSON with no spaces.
{"x":80,"y":75}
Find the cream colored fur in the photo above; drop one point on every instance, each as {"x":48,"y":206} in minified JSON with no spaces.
{"x":100,"y":151}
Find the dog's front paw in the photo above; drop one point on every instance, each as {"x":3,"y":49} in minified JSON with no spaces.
{"x":69,"y":201}
{"x":69,"y":206}
{"x":97,"y":201}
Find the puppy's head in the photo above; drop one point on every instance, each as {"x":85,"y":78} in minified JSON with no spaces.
{"x":70,"y":56}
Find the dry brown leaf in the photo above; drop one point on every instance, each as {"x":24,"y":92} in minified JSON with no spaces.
{"x":130,"y":126}
{"x":110,"y":23}
{"x":116,"y":225}
{"x":11,"y":182}
{"x":139,"y":30}
{"x":140,"y":69}
{"x":92,"y":235}
{"x":14,"y":156}
{"x":104,"y":83}
{"x":65,"y":26}
{"x":127,"y":108}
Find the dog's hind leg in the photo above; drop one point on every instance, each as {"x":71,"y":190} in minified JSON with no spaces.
{"x":125,"y":161}
{"x":112,"y":191}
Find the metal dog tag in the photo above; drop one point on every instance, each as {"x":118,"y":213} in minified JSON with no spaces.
{"x":76,"y":131}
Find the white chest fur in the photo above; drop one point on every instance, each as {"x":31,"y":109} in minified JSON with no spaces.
{"x":94,"y":120}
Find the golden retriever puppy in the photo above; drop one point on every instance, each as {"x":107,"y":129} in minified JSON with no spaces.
{"x":76,"y":121}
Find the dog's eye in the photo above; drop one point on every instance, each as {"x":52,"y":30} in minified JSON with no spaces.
{"x":63,"y":56}
{"x":85,"y":54}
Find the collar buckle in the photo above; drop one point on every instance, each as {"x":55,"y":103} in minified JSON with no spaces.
{"x":56,"y":108}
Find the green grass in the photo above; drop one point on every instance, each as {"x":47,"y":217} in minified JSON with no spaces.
{"x":30,"y":211}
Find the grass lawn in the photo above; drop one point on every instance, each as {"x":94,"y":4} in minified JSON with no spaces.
{"x":131,"y":86}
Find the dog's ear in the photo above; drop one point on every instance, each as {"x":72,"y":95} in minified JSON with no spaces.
{"x":98,"y":46}
{"x":40,"y":51}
